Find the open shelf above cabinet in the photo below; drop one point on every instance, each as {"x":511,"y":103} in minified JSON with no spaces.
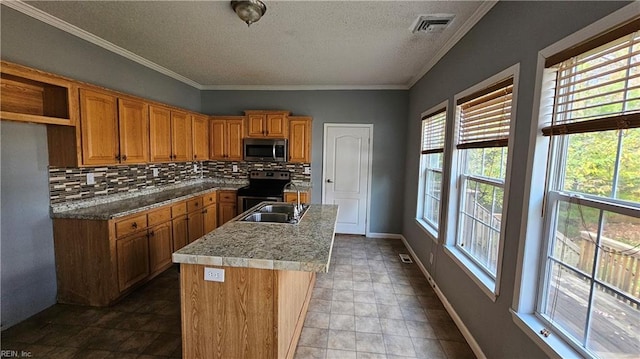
{"x":30,"y":95}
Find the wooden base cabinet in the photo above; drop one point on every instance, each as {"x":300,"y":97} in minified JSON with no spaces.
{"x":100,"y":261}
{"x":254,"y":313}
{"x":227,"y":206}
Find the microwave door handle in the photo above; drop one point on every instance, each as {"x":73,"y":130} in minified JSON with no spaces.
{"x":274,"y":151}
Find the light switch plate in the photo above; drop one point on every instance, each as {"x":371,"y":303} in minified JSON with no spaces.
{"x":214,"y":274}
{"x":91,"y":179}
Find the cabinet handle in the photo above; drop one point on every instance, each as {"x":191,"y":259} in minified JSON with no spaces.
{"x":205,"y":211}
{"x":124,"y":158}
{"x":195,"y":156}
{"x":118,"y":157}
{"x":134,"y":225}
{"x":151,"y":234}
{"x":196,"y":204}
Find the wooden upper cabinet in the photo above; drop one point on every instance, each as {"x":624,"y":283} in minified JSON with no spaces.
{"x":99,"y":126}
{"x":226,"y":138}
{"x":200,"y":135}
{"x":267,"y":124}
{"x":218,"y":139}
{"x":235,"y":132}
{"x":300,"y":139}
{"x":181,"y":136}
{"x":160,"y":134}
{"x":134,"y":131}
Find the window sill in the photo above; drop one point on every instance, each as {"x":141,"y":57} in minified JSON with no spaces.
{"x":428,"y":229}
{"x":486,"y":283}
{"x":553,"y":345}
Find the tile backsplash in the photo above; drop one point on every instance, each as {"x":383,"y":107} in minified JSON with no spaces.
{"x":70,"y":184}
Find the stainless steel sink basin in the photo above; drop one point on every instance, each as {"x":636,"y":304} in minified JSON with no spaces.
{"x":267,"y":217}
{"x":275,"y":213}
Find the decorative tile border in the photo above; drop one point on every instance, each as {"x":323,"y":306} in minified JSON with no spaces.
{"x":70,"y":184}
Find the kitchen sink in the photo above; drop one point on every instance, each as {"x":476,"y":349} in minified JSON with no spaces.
{"x":275,"y":213}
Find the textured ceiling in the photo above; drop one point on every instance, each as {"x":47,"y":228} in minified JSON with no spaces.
{"x":315,"y":44}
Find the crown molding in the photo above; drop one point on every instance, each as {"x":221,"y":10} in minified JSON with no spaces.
{"x":38,"y":14}
{"x":482,"y":10}
{"x":302,"y":87}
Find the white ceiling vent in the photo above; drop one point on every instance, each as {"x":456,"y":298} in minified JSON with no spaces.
{"x":431,"y":23}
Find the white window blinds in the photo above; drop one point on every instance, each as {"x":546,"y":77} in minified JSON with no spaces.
{"x":433,"y":132}
{"x":485,"y":116}
{"x":599,"y":89}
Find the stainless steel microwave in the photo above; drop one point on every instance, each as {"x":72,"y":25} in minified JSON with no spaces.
{"x":266,"y":149}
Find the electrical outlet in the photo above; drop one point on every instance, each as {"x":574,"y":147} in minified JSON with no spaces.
{"x":214,"y":274}
{"x":195,"y":168}
{"x":307,"y":170}
{"x":430,"y":258}
{"x":235,"y":168}
{"x":155,"y":172}
{"x":91,"y":178}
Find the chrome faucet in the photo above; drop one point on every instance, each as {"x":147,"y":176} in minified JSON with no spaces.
{"x":298,"y":207}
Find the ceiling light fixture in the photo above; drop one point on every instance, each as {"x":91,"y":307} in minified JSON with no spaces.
{"x":249,"y":11}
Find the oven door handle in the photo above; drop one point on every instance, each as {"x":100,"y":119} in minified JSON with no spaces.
{"x":274,"y":151}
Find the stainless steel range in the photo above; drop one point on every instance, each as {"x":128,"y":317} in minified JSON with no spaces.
{"x":263,"y":186}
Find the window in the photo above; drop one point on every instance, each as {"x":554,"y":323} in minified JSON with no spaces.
{"x":590,"y":274}
{"x":481,"y":152}
{"x":433,"y":129}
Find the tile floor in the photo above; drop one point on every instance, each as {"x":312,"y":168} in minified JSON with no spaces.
{"x":370,"y":305}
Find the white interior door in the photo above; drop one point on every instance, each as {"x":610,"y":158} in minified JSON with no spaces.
{"x":346,"y":174}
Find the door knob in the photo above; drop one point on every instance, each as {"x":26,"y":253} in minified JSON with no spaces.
{"x":329,"y":181}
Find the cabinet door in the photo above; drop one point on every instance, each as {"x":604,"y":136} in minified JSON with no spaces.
{"x":235,"y":130}
{"x":99,"y":128}
{"x":200,"y":135}
{"x":292,"y":197}
{"x":210,"y":218}
{"x":195,"y":225}
{"x":256,"y":126}
{"x":276,"y":126}
{"x":299,"y":139}
{"x":180,"y":136}
{"x":133,"y":259}
{"x":160,"y":134}
{"x":160,"y":247}
{"x":134,"y":131}
{"x":226,"y":211}
{"x":180,"y":232}
{"x":218,"y":136}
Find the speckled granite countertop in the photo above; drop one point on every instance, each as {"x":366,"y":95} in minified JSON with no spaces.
{"x":106,"y":210}
{"x":305,"y":246}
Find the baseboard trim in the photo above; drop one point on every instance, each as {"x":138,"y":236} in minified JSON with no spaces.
{"x":456,"y":318}
{"x":384,"y":235}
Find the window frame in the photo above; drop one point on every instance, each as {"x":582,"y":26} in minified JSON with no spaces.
{"x":531,"y":246}
{"x":489,"y":284}
{"x":432,"y":229}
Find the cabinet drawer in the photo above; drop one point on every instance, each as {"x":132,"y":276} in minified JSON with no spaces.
{"x":179,"y":209}
{"x":130,"y":225}
{"x":210,"y":198}
{"x":227,"y":196}
{"x":194,"y":204}
{"x":160,"y":216}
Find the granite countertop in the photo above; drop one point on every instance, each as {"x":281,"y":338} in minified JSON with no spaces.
{"x":305,"y":246}
{"x":109,"y":209}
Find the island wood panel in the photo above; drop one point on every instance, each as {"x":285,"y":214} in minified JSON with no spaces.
{"x":294,"y":293}
{"x":85,"y":261}
{"x":230,"y":319}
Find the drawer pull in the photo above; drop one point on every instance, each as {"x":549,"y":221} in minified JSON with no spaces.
{"x":151,"y":234}
{"x":134,"y":225}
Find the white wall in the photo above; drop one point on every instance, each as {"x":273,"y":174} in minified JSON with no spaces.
{"x":28,"y":274}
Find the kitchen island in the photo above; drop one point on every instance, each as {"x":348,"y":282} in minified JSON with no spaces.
{"x":258,"y":308}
